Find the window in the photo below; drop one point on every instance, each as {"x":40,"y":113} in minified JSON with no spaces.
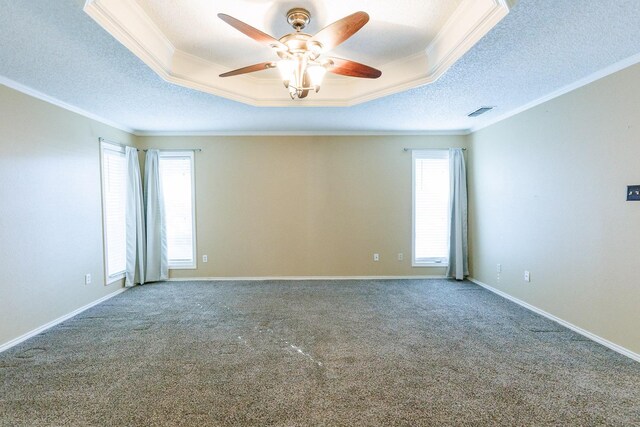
{"x":430,"y":207}
{"x":177,"y":180}
{"x":114,"y":193}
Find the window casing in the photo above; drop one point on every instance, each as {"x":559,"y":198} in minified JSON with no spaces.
{"x":114,"y":193}
{"x":431,"y":194}
{"x":178,"y":191}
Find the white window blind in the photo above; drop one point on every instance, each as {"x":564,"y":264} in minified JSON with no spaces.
{"x":430,"y":207}
{"x":114,"y":193}
{"x":176,"y":175}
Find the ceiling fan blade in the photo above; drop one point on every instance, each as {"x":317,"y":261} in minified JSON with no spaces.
{"x":336,"y":33}
{"x":254,"y":33}
{"x":349,"y":68}
{"x":249,"y":69}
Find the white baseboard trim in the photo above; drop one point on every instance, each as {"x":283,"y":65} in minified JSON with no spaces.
{"x":615,"y":347}
{"x":33,"y":333}
{"x":263,"y":278}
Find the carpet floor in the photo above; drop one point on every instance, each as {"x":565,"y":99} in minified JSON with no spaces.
{"x":314,"y":353}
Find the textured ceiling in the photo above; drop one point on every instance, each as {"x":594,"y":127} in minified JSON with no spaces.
{"x":540,"y":47}
{"x":391,"y":34}
{"x":189,"y":46}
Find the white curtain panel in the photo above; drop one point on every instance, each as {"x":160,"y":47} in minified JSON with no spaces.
{"x":157,"y":256}
{"x":134,"y":221}
{"x":458,"y":247}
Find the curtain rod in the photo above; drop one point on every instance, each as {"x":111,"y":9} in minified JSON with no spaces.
{"x":175,"y":149}
{"x":411,"y":149}
{"x":110,"y":141}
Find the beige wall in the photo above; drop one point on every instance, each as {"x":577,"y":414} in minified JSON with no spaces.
{"x":547,"y":192}
{"x":546,"y":186}
{"x":303,"y":206}
{"x":266,"y":206}
{"x":50,"y":212}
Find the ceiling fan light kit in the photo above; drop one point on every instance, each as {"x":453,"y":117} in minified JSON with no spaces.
{"x":302,"y":65}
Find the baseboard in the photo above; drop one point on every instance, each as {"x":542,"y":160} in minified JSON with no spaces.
{"x":615,"y":347}
{"x":33,"y":333}
{"x":263,"y":278}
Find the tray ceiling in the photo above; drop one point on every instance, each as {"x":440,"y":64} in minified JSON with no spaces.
{"x":412,"y":42}
{"x":53,"y":50}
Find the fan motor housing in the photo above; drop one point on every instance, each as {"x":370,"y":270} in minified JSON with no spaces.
{"x":298,"y":43}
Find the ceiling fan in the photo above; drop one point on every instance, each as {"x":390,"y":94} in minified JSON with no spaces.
{"x":302,"y":63}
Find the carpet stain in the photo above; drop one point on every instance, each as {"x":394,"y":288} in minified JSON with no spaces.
{"x":301,"y":352}
{"x":143,"y":327}
{"x":31,"y":353}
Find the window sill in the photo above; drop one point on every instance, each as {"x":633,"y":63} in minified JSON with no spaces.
{"x":183,"y":267}
{"x":112,"y":279}
{"x":429,"y":264}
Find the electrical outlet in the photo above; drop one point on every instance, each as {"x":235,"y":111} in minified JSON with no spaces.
{"x":87,"y":279}
{"x":527,"y":277}
{"x":205,"y":258}
{"x":400,"y":256}
{"x":376,"y":257}
{"x":498,"y":268}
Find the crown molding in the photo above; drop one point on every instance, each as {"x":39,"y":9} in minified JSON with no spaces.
{"x":607,"y":71}
{"x":619,"y":66}
{"x":611,"y":69}
{"x":454,"y":132}
{"x":58,"y":103}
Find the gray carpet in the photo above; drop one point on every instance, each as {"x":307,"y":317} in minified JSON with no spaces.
{"x":314,"y":353}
